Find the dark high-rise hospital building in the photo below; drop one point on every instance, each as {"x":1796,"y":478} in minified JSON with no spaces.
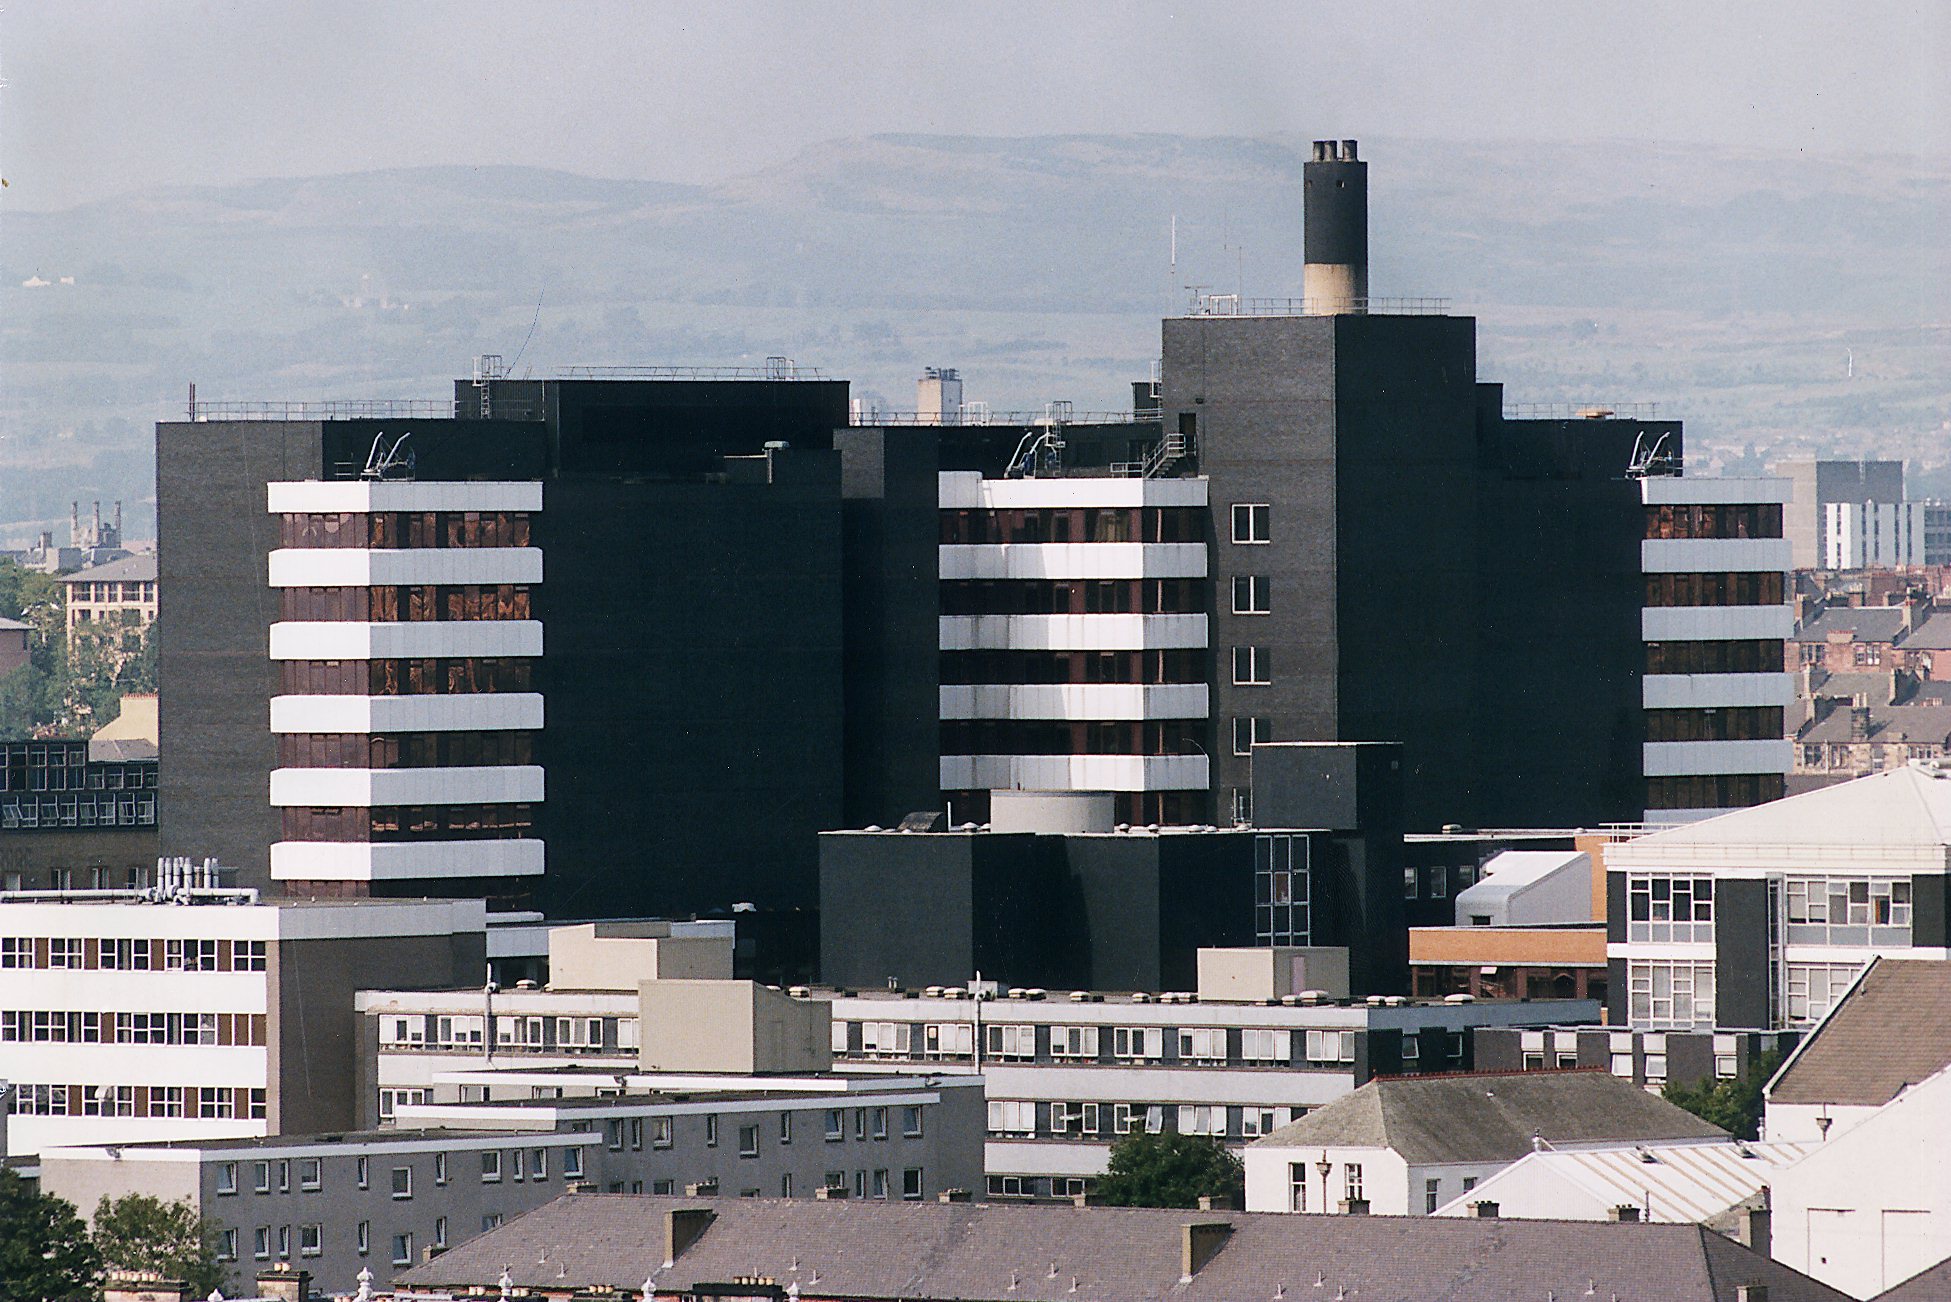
{"x":623,"y":642}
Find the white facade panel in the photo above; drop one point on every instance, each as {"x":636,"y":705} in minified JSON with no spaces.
{"x":1075,"y":701}
{"x":477,"y":712}
{"x":1683,"y":758}
{"x":152,"y":991}
{"x":1712,"y":555}
{"x":357,"y":567}
{"x":329,"y":640}
{"x":1715,"y":623}
{"x":1075,"y":772}
{"x":968,"y":490}
{"x":484,"y":785}
{"x":1081,"y":560}
{"x":1661,"y":490}
{"x":232,"y":1066}
{"x":34,"y":1134}
{"x":367,"y":861}
{"x":1071,"y":632}
{"x":1702,"y":691}
{"x":359,"y":496}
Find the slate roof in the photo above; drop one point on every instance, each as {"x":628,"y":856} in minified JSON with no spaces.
{"x":130,"y":569}
{"x":1932,"y":1284}
{"x":1888,"y":723}
{"x":1934,"y":634}
{"x":15,"y":625}
{"x":1863,"y":623}
{"x":1891,"y":1030}
{"x":925,"y":1251}
{"x":1490,"y":1117}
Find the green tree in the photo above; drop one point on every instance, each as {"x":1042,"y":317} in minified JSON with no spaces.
{"x":139,"y":1232}
{"x":1733,"y":1105}
{"x":1171,"y":1171}
{"x":45,"y":1252}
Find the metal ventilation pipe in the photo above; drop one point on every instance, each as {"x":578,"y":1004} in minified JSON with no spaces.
{"x":1334,"y":185}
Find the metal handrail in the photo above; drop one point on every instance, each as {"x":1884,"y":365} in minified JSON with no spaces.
{"x":871,"y":419}
{"x":331,"y":409}
{"x":1236,"y":305}
{"x":1582,"y":411}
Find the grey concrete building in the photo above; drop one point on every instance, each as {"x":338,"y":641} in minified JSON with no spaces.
{"x":389,"y":1198}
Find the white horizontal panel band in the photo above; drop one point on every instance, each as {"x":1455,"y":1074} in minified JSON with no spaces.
{"x":359,"y":496}
{"x":476,"y":712}
{"x":1664,"y":490}
{"x":327,"y":640}
{"x":1691,"y":758}
{"x":1075,"y":772}
{"x":1075,"y":701}
{"x":968,"y":490}
{"x":1714,"y":623}
{"x":1090,"y":560}
{"x":342,"y":861}
{"x":1691,"y":691}
{"x":1713,"y":555}
{"x":363,"y":788}
{"x":1071,"y":632}
{"x":361,"y":567}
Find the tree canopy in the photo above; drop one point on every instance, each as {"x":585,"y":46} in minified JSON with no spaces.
{"x":140,"y":1232}
{"x":1735,"y":1106}
{"x":1169,"y":1170}
{"x":45,"y":1251}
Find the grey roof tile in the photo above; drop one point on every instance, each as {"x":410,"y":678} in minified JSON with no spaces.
{"x":1891,"y":1030}
{"x":1488,"y":1117}
{"x":926,"y":1251}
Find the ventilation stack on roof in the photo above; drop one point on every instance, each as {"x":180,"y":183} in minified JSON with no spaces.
{"x":1334,"y":185}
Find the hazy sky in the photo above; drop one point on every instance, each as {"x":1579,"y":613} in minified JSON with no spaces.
{"x":102,"y":97}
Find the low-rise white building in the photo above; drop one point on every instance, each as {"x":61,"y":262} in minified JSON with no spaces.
{"x":194,"y":1012}
{"x":1871,"y":1206}
{"x":1405,"y":1146}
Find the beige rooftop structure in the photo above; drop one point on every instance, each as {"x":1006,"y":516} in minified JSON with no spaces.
{"x":619,"y":955}
{"x":737,"y":1027}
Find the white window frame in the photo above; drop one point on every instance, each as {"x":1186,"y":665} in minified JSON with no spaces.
{"x":1252,"y":523}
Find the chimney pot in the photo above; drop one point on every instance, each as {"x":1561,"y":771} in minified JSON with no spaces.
{"x":1484,"y":1209}
{"x":1625,"y":1213}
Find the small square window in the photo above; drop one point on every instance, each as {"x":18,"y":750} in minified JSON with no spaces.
{"x":403,"y":1182}
{"x":227,"y":1177}
{"x":748,"y":1141}
{"x":1252,"y":666}
{"x":491,"y":1166}
{"x":1248,"y":730}
{"x":1252,"y":522}
{"x":1252,"y":594}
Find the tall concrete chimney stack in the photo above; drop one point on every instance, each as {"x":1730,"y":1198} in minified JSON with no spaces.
{"x":1335,"y":185}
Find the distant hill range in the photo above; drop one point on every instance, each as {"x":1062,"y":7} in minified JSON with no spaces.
{"x":1777,"y":302}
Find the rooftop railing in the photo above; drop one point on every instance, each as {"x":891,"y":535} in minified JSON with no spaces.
{"x":1582,"y":411}
{"x":1238,"y":305}
{"x":775,"y":368}
{"x":1003,"y":418}
{"x":333,"y":409}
